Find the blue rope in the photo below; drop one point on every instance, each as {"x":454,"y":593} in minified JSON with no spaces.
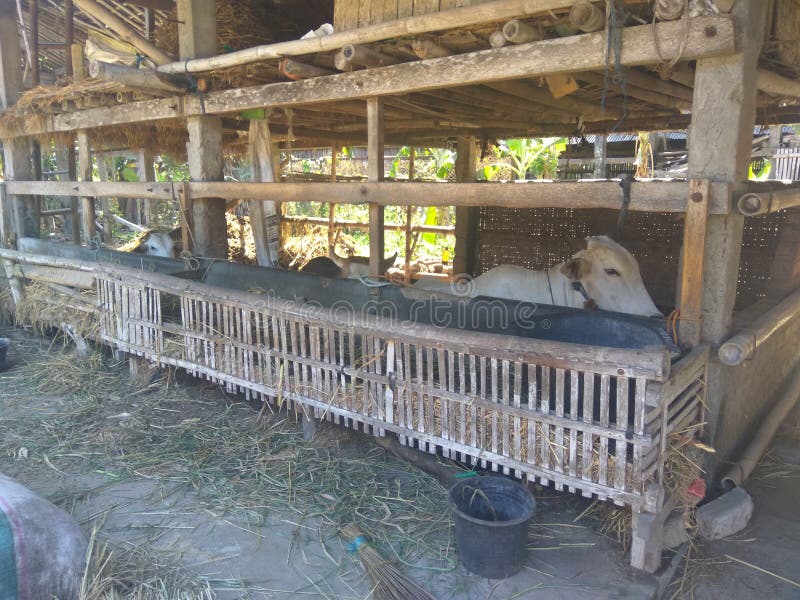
{"x":353,"y":546}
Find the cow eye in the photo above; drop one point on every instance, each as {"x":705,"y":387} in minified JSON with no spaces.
{"x":613,"y":272}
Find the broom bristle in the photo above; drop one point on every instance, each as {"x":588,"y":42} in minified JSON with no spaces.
{"x":390,"y":583}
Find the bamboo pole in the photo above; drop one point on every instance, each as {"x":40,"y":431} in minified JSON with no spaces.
{"x":741,"y":346}
{"x":764,"y":202}
{"x":467,"y":16}
{"x":759,"y":443}
{"x":124,"y":31}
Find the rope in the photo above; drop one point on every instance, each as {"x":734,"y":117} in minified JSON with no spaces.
{"x":625,"y":184}
{"x":372,"y":283}
{"x":665,"y":68}
{"x":615,"y":23}
{"x":672,"y":324}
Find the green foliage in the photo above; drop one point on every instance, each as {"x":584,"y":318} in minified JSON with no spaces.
{"x":537,"y":157}
{"x":763,"y":172}
{"x":168,"y":170}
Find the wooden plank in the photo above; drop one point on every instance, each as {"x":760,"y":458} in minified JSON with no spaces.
{"x":692,"y":265}
{"x":657,"y":196}
{"x":570,"y":54}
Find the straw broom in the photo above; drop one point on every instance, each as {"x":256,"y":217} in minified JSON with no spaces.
{"x":390,"y":583}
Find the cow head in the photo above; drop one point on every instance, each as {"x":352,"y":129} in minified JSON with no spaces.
{"x":611,"y":277}
{"x":156,"y":243}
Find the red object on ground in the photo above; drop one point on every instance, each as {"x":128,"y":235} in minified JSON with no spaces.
{"x":697,"y":488}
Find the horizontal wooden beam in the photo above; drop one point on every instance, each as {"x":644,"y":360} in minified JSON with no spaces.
{"x":350,"y":224}
{"x":652,"y":196}
{"x":707,"y":36}
{"x":126,"y":189}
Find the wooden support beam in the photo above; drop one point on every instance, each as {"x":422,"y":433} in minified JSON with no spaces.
{"x":107,"y":18}
{"x":646,"y":196}
{"x":762,"y":200}
{"x":88,"y":228}
{"x":574,"y":54}
{"x":375,"y":173}
{"x":777,"y":85}
{"x":197,"y":37}
{"x":720,"y":146}
{"x":70,"y":66}
{"x":600,"y":152}
{"x":146,"y":171}
{"x":33,"y":8}
{"x":694,"y":247}
{"x":105,"y":201}
{"x":466,"y":216}
{"x":263,"y":213}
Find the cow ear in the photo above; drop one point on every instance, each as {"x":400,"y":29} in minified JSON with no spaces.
{"x":575,"y":269}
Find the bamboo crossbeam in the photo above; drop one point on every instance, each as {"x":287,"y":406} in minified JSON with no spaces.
{"x":742,"y":345}
{"x":770,"y":198}
{"x":646,"y":196}
{"x":707,"y":37}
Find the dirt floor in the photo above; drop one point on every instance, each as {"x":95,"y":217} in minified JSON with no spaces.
{"x":196,"y":494}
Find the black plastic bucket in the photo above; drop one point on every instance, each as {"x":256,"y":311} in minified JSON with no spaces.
{"x":491,"y":516}
{"x":4,"y":344}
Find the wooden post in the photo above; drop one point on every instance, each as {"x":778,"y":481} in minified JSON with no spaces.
{"x":197,"y":38}
{"x":600,"y":152}
{"x":146,"y":171}
{"x":85,"y":174}
{"x":33,"y":7}
{"x":720,"y":143}
{"x":412,"y":154}
{"x":69,"y":41}
{"x":466,"y":216}
{"x":65,"y":162}
{"x":105,"y":202}
{"x":375,"y":172}
{"x":332,"y":205}
{"x":263,"y":213}
{"x":17,"y":152}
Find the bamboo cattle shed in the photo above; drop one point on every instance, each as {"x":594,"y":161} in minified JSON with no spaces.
{"x":588,"y":418}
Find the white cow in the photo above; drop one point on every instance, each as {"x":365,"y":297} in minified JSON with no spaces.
{"x":154,"y":243}
{"x":606,"y":271}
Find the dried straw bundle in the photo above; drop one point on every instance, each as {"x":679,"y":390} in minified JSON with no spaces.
{"x":43,"y":307}
{"x":390,"y":583}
